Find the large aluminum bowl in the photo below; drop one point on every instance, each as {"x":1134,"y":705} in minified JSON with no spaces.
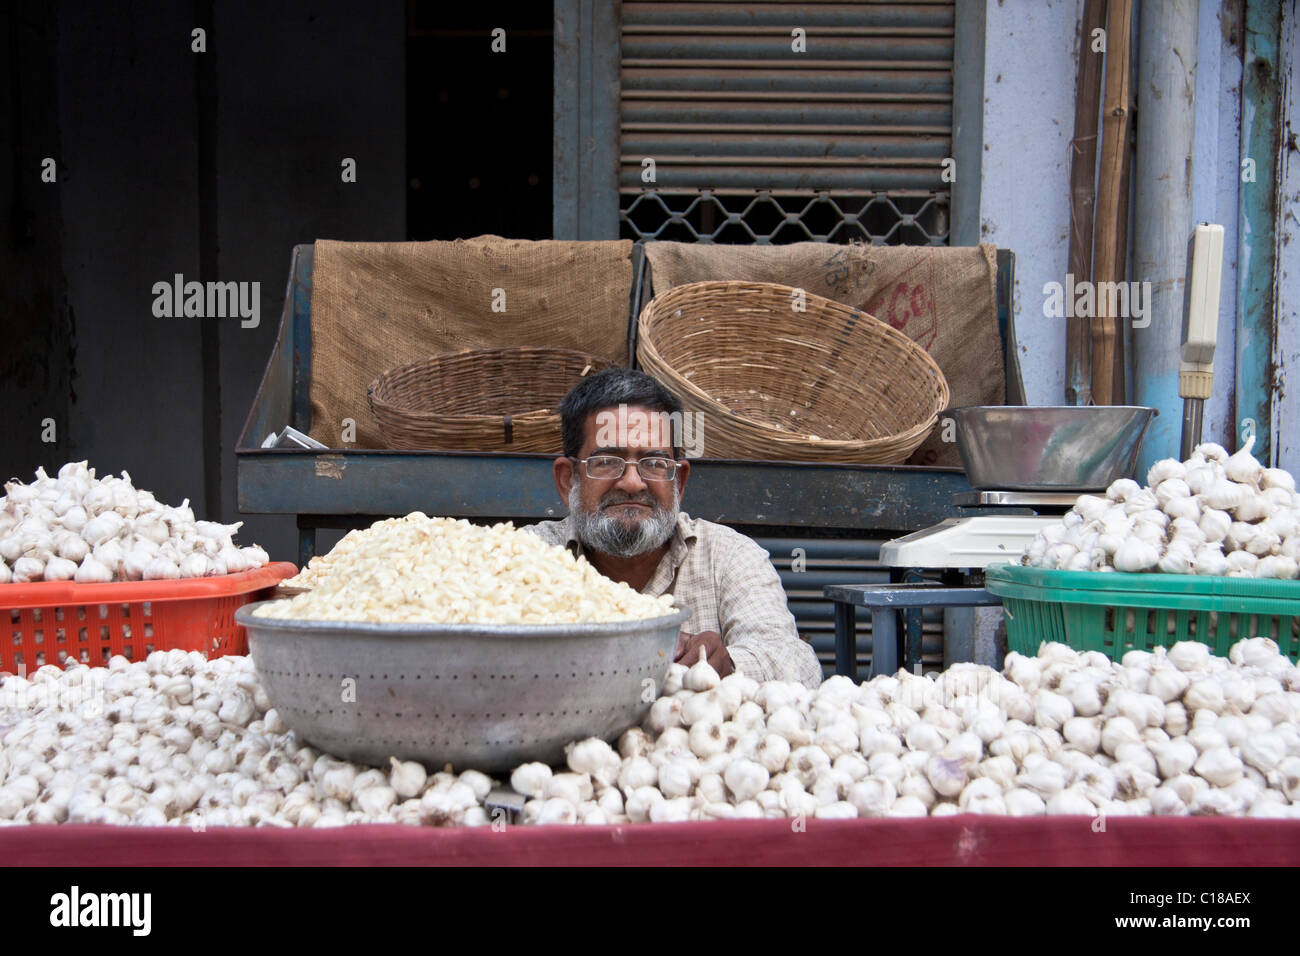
{"x":481,"y":696}
{"x":1049,"y":447}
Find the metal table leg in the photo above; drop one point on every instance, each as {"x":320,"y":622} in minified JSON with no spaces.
{"x":846,"y":640}
{"x":884,"y":641}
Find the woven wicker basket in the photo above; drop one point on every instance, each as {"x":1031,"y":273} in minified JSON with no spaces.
{"x":479,"y":399}
{"x":828,"y":383}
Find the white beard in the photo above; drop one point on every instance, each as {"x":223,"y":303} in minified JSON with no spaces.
{"x":609,"y":535}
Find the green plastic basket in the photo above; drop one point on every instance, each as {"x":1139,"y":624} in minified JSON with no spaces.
{"x":1113,"y":612}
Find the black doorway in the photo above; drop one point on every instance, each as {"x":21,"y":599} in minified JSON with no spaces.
{"x":478,"y":121}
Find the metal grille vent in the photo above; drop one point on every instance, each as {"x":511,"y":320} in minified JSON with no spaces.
{"x":728,"y":133}
{"x":763,"y":217}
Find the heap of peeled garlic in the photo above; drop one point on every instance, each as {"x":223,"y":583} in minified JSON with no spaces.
{"x":1211,"y":515}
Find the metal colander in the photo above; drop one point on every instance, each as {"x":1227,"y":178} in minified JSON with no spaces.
{"x":480,"y":696}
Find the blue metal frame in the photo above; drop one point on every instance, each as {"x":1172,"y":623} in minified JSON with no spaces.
{"x":586,"y":107}
{"x":1257,"y":225}
{"x":967,"y":121}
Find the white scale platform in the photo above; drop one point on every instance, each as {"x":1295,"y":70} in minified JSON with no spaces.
{"x":973,"y":543}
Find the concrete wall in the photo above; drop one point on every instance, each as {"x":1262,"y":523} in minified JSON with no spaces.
{"x":1029,"y":66}
{"x":1214,"y":183}
{"x":291,"y":89}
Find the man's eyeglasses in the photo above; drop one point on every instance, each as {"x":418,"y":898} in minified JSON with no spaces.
{"x":606,"y":467}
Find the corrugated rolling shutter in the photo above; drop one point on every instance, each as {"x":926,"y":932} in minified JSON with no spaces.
{"x":752,"y":141}
{"x":824,"y":561}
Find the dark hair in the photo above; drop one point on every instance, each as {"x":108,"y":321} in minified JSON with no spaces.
{"x":610,"y":388}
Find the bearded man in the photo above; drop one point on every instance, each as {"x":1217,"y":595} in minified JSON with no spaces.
{"x":623,"y":476}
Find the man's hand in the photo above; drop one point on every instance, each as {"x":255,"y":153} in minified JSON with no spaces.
{"x":688,"y":652}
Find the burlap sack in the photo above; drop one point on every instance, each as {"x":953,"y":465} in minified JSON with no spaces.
{"x":943,"y":298}
{"x":376,"y":305}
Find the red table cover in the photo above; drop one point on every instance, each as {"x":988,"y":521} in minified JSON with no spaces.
{"x":948,"y":841}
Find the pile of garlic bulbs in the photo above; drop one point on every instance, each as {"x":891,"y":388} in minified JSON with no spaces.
{"x":1213,"y":514}
{"x":77,"y":527}
{"x":179,"y":741}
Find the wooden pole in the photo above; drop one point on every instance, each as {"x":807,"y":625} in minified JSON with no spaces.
{"x":1120,"y":368}
{"x":1109,"y":260}
{"x":1083,"y":197}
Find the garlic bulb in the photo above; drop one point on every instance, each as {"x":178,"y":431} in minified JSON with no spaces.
{"x":701,"y":677}
{"x":27,"y":569}
{"x":92,"y":572}
{"x":1136,"y":555}
{"x":1242,"y":466}
{"x":407,"y":778}
{"x":1165,"y":469}
{"x":59,"y":569}
{"x":1170,"y":731}
{"x":1209,"y":560}
{"x":1123,"y":489}
{"x":745,"y":779}
{"x":530,"y":779}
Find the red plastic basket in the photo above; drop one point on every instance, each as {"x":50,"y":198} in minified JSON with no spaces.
{"x":50,"y":621}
